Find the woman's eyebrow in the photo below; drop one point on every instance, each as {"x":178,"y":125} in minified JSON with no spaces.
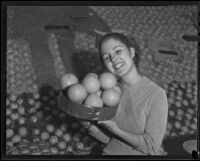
{"x":116,"y":47}
{"x":112,"y":49}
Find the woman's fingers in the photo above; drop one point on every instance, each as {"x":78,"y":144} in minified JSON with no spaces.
{"x":101,"y":122}
{"x":93,"y":129}
{"x":86,"y":124}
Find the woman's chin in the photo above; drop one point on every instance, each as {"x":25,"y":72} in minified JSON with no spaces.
{"x":120,"y":73}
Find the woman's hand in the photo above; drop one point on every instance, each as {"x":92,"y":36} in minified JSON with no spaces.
{"x":110,"y":125}
{"x":96,"y":132}
{"x":88,"y":125}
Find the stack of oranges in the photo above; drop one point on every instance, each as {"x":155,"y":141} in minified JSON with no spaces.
{"x":93,"y":90}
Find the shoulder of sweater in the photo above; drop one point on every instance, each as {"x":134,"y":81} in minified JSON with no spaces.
{"x":149,"y":83}
{"x":151,"y":86}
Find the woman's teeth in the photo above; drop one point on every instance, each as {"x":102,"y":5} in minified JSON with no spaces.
{"x":118,"y":66}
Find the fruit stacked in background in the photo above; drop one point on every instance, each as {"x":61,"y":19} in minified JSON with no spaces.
{"x":31,"y":127}
{"x":94,"y":90}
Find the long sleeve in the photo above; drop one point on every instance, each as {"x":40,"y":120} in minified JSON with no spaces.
{"x":151,"y":139}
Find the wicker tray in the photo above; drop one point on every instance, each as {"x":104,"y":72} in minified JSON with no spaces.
{"x":85,"y":112}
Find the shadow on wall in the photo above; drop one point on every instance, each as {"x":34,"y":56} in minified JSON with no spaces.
{"x":84,"y":62}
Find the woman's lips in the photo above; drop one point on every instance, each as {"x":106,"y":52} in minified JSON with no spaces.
{"x":118,"y":66}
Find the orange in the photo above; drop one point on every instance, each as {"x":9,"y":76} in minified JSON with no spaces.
{"x":91,"y":83}
{"x":118,"y":89}
{"x":110,"y":97}
{"x":99,"y":92}
{"x":67,"y":80}
{"x":93,"y":74}
{"x":76,"y":93}
{"x":107,"y":80}
{"x":94,"y":100}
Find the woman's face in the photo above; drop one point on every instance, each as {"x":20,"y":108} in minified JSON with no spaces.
{"x":117,"y":57}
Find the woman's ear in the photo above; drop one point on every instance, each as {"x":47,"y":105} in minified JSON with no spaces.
{"x":132,"y":51}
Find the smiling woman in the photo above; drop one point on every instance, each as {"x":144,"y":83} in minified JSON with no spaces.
{"x":139,"y":125}
{"x":123,"y":40}
{"x":120,"y":54}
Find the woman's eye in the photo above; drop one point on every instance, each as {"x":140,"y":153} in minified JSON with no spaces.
{"x":106,"y":58}
{"x":118,"y":51}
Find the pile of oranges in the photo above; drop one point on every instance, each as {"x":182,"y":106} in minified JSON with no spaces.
{"x":93,"y":90}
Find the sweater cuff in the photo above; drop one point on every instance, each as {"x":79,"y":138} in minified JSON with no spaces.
{"x":139,"y":144}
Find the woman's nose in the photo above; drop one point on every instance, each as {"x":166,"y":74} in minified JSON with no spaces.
{"x":112,"y":58}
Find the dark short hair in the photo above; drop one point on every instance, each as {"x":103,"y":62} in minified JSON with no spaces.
{"x":126,"y":40}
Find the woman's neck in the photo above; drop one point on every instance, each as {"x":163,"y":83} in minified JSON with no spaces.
{"x":131,"y":77}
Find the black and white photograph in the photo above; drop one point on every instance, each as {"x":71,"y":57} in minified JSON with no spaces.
{"x":98,"y":81}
